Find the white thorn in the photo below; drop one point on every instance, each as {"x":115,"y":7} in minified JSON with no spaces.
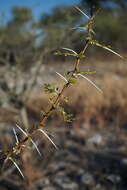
{"x":16,"y":166}
{"x":35,"y":146}
{"x":16,"y":137}
{"x":29,"y":138}
{"x":71,"y":50}
{"x":82,"y":12}
{"x":48,"y":138}
{"x":62,"y":77}
{"x":91,"y":83}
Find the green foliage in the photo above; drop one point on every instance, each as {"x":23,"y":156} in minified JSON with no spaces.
{"x":100,"y":3}
{"x":112,"y":26}
{"x":60,"y":17}
{"x":17,"y":38}
{"x":58,"y":26}
{"x":49,"y":88}
{"x":67,"y":117}
{"x":21,"y":15}
{"x":72,"y":80}
{"x":20,"y":42}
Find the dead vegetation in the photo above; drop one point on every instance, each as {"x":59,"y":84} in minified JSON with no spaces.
{"x":89,"y":106}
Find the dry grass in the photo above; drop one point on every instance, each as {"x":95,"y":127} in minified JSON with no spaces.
{"x":88,"y":105}
{"x":101,"y":109}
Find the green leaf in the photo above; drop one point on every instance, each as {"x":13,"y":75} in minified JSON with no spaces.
{"x":65,"y":53}
{"x":69,"y":117}
{"x":49,"y":88}
{"x":66,"y":99}
{"x":87,"y":72}
{"x":81,"y":55}
{"x":72,"y":80}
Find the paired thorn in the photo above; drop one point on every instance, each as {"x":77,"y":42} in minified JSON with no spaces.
{"x":29,"y":138}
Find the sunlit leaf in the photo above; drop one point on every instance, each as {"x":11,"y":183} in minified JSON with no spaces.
{"x":88,"y":72}
{"x":72,"y":80}
{"x":68,"y":53}
{"x":49,"y":88}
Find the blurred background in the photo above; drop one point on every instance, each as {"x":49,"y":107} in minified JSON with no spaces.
{"x":92,"y":152}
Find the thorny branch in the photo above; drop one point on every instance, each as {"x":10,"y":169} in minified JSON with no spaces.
{"x":73,"y":74}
